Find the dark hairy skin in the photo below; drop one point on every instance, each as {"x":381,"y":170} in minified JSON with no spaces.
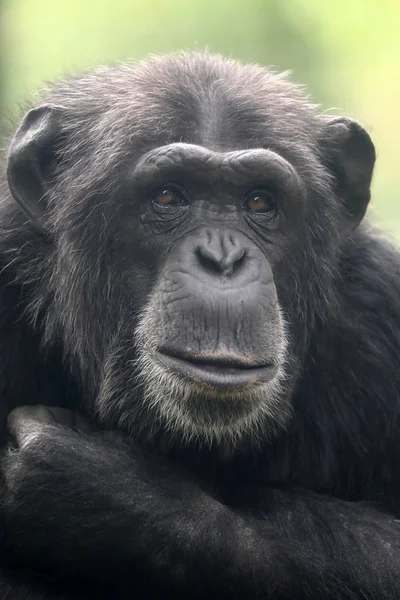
{"x":200,"y":344}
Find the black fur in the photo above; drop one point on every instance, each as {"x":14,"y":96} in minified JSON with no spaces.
{"x":304,"y":509}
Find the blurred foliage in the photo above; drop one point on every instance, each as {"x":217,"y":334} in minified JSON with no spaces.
{"x":347,"y":53}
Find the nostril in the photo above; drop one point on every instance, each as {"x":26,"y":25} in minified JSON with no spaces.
{"x":233,"y":262}
{"x":239,"y":261}
{"x":220,"y":263}
{"x":210,"y":263}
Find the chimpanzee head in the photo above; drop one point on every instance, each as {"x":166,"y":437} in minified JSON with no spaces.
{"x":186,"y":219}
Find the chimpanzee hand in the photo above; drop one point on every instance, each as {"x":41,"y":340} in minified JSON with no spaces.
{"x":24,"y":421}
{"x":86,"y":508}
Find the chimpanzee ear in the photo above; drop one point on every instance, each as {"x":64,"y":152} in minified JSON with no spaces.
{"x":351,"y":157}
{"x":31,"y":160}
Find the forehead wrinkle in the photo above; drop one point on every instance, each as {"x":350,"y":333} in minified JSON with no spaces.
{"x":179,"y":154}
{"x":228,"y":166}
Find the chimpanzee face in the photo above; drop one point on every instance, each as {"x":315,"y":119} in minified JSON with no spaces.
{"x":188,"y":227}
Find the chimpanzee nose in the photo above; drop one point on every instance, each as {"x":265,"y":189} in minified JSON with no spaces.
{"x":219,"y":253}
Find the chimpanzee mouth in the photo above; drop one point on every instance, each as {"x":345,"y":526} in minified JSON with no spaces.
{"x":217,"y":371}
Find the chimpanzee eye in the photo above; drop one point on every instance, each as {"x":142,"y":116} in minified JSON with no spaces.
{"x":260,"y":201}
{"x":170,"y":195}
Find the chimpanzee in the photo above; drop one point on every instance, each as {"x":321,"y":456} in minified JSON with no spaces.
{"x":200,"y":344}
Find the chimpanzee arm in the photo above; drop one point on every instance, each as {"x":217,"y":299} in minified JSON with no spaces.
{"x":77,"y":504}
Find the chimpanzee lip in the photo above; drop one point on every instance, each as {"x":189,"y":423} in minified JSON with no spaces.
{"x":218,"y":371}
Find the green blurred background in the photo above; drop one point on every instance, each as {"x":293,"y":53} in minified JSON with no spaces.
{"x":346,"y":52}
